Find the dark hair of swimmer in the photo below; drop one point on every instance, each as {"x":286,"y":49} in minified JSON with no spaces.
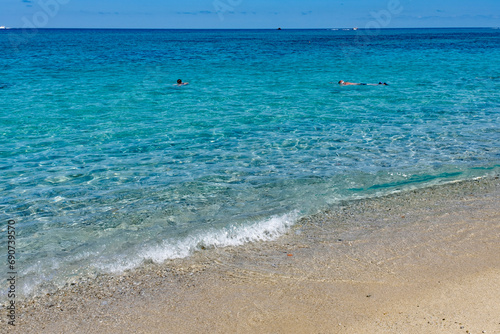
{"x":179,"y":81}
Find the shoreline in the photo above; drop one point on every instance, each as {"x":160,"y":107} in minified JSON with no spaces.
{"x":342,"y":267}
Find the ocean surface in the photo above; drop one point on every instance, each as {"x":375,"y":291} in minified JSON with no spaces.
{"x":105,"y":163}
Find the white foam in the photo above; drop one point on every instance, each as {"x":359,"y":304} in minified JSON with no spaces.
{"x":266,"y":230}
{"x":41,"y":274}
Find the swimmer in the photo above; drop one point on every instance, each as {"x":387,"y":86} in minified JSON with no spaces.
{"x":180,"y":83}
{"x":345,"y":83}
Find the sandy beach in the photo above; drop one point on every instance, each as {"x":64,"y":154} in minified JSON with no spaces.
{"x":423,"y":261}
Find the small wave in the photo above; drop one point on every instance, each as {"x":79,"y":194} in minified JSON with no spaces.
{"x":234,"y":235}
{"x":46,"y":276}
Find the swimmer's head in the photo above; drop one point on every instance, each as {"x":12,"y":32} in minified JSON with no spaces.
{"x":341,"y":82}
{"x":179,"y":81}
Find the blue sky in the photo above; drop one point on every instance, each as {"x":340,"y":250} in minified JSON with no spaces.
{"x":249,"y":13}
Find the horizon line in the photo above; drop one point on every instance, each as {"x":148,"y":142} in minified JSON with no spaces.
{"x":278,"y":28}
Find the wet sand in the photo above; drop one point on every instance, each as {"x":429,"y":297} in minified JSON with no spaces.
{"x":423,"y":261}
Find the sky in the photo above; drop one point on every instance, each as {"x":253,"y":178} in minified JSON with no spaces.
{"x":248,"y":14}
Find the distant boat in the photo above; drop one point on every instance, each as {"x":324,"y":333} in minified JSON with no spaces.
{"x":3,"y":27}
{"x":355,"y":28}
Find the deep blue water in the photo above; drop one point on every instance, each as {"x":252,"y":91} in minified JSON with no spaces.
{"x":104,"y":162}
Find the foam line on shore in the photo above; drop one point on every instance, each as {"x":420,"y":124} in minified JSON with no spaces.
{"x":234,"y":235}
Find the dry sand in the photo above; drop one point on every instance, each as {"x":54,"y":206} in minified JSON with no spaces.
{"x":424,"y":261}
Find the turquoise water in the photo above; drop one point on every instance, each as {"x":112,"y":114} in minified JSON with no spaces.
{"x":104,"y":163}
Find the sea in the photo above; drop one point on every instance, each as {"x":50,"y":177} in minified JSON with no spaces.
{"x":107,"y":164}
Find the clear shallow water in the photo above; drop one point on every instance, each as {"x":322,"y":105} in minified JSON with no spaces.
{"x":105,"y":163}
